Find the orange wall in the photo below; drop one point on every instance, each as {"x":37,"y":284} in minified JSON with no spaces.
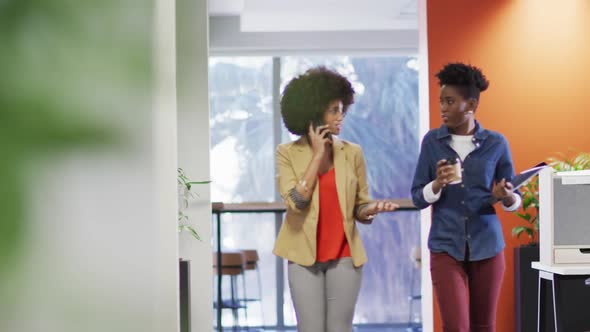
{"x":536,"y":55}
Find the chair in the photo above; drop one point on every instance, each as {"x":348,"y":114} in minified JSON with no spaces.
{"x":233,"y":264}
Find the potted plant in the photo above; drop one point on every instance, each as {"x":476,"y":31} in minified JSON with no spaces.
{"x":525,"y":278}
{"x":184,"y":196}
{"x":530,"y":194}
{"x":530,"y":212}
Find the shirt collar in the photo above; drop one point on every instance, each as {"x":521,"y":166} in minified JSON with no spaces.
{"x":480,"y":132}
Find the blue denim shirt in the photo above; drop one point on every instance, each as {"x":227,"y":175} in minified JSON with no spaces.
{"x":464,"y":214}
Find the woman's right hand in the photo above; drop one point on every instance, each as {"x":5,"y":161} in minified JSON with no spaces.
{"x":444,"y":175}
{"x":318,"y":139}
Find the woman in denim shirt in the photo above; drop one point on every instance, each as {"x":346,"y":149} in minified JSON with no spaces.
{"x":462,"y":171}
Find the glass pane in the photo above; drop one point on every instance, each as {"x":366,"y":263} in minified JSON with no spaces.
{"x":384,"y":121}
{"x":242,"y":157}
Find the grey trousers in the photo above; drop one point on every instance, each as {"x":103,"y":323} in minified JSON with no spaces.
{"x":324,"y":295}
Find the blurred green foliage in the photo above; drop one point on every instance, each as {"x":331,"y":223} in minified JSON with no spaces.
{"x":67,"y":69}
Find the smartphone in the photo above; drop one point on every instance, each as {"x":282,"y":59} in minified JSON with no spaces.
{"x":318,"y":123}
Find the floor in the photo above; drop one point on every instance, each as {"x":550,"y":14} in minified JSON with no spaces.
{"x":356,"y":329}
{"x":366,"y":329}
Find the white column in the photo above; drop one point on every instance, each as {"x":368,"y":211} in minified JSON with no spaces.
{"x":193,"y":151}
{"x":165,"y":161}
{"x":424,"y":125}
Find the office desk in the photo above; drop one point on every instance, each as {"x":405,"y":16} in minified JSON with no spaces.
{"x":261,"y":207}
{"x":564,"y":298}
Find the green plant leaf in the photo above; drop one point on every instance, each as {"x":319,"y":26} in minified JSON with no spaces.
{"x":185,"y":194}
{"x":199,"y":182}
{"x":516,"y":231}
{"x":526,"y":201}
{"x":530,"y":192}
{"x":526,"y":216}
{"x":193,"y":232}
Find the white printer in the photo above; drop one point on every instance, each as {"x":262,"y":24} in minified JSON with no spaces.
{"x":564,"y":217}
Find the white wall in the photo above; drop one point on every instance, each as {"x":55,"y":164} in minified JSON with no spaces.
{"x":193,"y":151}
{"x":164,"y":145}
{"x":425,"y":215}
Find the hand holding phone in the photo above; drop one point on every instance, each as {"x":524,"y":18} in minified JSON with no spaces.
{"x":318,"y":136}
{"x":320,"y":123}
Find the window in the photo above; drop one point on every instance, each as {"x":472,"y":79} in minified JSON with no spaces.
{"x":383,"y":120}
{"x":242,"y":157}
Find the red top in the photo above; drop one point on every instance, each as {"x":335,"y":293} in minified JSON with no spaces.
{"x":331,"y":241}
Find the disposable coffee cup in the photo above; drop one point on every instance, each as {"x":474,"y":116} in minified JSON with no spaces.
{"x":455,"y":162}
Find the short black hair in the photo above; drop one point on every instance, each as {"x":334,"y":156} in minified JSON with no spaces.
{"x":306,"y":97}
{"x":468,"y":78}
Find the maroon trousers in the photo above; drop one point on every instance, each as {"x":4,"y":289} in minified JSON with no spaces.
{"x":467,"y":292}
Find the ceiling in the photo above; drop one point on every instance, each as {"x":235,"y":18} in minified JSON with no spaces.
{"x":318,"y":15}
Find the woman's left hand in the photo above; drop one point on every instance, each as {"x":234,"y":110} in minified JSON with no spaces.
{"x":503,"y":192}
{"x":502,"y":189}
{"x":378,"y":206}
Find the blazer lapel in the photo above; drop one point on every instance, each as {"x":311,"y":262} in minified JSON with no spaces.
{"x":340,"y":169}
{"x":301,"y":157}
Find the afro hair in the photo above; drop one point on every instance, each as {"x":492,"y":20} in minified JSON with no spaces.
{"x":469,"y":78}
{"x":307,"y":96}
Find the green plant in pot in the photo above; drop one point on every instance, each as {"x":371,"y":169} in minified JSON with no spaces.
{"x":530,"y":194}
{"x":185,"y":194}
{"x":530,"y":212}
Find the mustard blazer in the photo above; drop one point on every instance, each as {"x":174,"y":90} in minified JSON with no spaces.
{"x":297,"y":239}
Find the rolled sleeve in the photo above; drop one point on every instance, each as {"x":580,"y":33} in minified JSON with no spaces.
{"x":514,"y":206}
{"x":505,"y":170}
{"x":287,"y":180}
{"x":300,"y":202}
{"x":422,"y":176}
{"x":429,"y":195}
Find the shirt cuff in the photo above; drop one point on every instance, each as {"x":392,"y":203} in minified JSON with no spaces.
{"x":513,"y":207}
{"x":429,"y":195}
{"x":300,"y":202}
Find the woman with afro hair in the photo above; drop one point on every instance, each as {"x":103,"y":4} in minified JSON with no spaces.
{"x":463,"y":170}
{"x":322,"y":180}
